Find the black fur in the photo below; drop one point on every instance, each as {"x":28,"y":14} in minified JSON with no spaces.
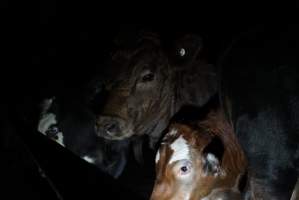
{"x":76,"y":121}
{"x":260,"y":77}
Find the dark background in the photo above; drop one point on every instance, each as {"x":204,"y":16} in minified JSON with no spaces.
{"x":49,"y":46}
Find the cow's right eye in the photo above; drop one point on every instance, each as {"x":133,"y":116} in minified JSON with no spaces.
{"x":52,"y":132}
{"x":185,"y":168}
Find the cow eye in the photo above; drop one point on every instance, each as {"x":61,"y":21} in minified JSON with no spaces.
{"x":185,"y":168}
{"x":52,"y":132}
{"x":148,"y":77}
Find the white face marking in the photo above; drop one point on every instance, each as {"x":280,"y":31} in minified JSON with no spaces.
{"x":180,"y":150}
{"x":89,"y":159}
{"x":45,"y":122}
{"x":182,"y":52}
{"x":170,"y":133}
{"x":157,"y":157}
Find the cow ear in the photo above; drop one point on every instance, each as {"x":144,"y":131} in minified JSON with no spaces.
{"x":46,"y":104}
{"x":188,"y":48}
{"x":212,"y":157}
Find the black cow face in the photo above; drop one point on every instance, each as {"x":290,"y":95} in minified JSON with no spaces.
{"x":73,"y":127}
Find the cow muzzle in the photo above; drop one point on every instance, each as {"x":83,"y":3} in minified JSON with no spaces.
{"x":113,"y":128}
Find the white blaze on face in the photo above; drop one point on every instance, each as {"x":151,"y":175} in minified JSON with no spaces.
{"x":180,"y":158}
{"x":45,"y":122}
{"x":89,"y":159}
{"x":180,"y":150}
{"x":171,"y":133}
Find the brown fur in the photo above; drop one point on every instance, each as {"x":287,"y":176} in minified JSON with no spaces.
{"x":145,"y":107}
{"x":198,"y":137}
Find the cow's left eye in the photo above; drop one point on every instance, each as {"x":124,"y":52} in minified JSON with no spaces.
{"x":148,"y":77}
{"x":52,"y":132}
{"x":185,"y":168}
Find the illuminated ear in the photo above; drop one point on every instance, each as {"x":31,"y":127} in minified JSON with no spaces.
{"x":188,"y":48}
{"x":212,"y":157}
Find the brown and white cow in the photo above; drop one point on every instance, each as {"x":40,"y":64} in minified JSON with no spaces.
{"x":201,"y":161}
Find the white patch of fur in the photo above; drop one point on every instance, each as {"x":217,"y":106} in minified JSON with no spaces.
{"x":180,"y":150}
{"x":157,"y":157}
{"x":45,"y":122}
{"x":172,"y":132}
{"x":89,"y":159}
{"x":212,"y":158}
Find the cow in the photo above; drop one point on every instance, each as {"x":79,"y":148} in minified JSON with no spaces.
{"x":71,"y":124}
{"x":200,"y":159}
{"x":148,"y":81}
{"x":260,"y":95}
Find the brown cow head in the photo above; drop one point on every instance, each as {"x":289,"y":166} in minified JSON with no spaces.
{"x":144,"y":89}
{"x":139,"y":92}
{"x":195,"y":163}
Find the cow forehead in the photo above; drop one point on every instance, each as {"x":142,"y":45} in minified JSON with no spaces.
{"x":181,"y":150}
{"x":178,"y":145}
